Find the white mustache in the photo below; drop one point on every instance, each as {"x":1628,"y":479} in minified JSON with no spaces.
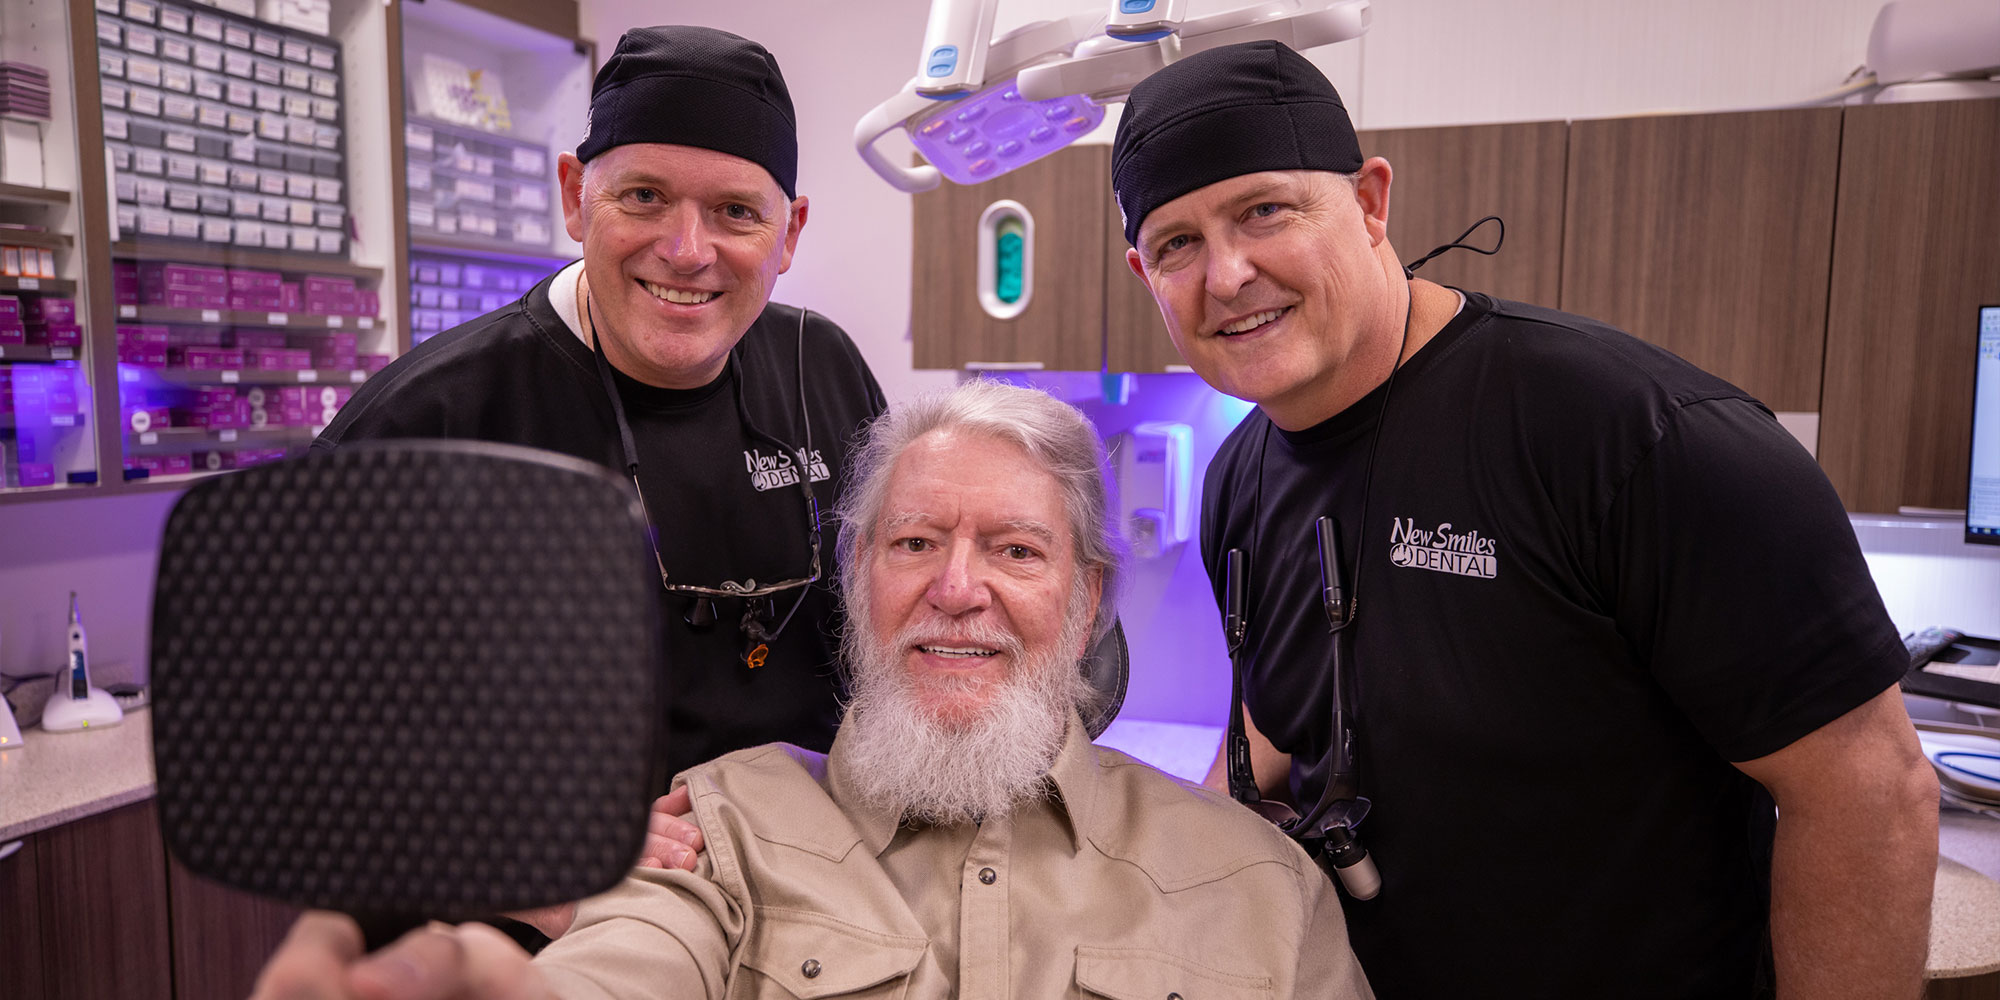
{"x":981,"y":633}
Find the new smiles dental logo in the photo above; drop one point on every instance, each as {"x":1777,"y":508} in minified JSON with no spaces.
{"x":1441,"y":549}
{"x":769,"y":472}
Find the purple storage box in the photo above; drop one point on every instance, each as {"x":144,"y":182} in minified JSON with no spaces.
{"x":247,"y":280}
{"x":194,"y":336}
{"x":277,"y":358}
{"x":52,"y":309}
{"x":144,"y":333}
{"x":373,"y":362}
{"x":209,"y":358}
{"x":250,"y":337}
{"x":55,"y":334}
{"x":10,"y":309}
{"x":320,"y":284}
{"x":164,"y":274}
{"x":334,"y":341}
{"x":36,"y":473}
{"x":258,"y":301}
{"x":277,"y":416}
{"x":13,"y":333}
{"x":183,"y":298}
{"x":155,"y":417}
{"x":288,"y":395}
{"x":143,"y":355}
{"x":214,"y":418}
{"x":289,"y":299}
{"x":63,"y":399}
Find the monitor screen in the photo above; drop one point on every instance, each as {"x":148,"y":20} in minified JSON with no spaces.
{"x":1982,"y":500}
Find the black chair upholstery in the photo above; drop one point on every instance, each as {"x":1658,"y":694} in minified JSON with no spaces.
{"x":1108,"y":667}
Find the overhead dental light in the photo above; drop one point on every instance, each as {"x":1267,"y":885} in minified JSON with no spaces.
{"x":978,"y":108}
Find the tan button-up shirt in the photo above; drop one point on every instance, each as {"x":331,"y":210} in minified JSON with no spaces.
{"x":1127,"y":884}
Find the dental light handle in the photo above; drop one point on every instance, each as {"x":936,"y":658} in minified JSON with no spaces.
{"x":888,"y":117}
{"x":1144,"y":20}
{"x":78,"y":671}
{"x":953,"y":62}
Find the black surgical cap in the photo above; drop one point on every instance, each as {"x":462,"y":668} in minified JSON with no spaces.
{"x":1229,"y":111}
{"x":695,"y":87}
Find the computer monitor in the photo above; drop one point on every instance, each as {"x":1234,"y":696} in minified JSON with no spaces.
{"x":1982,"y":498}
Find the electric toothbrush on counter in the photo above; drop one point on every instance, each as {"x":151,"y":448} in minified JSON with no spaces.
{"x":76,"y":704}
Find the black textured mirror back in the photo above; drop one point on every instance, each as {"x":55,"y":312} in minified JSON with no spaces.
{"x":407,"y":680}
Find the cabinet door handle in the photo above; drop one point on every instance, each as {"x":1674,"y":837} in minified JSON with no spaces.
{"x":1003,"y":366}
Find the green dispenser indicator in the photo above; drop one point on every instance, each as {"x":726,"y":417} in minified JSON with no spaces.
{"x":1009,"y":259}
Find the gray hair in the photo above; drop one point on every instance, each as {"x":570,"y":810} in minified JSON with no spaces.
{"x":1055,"y":434}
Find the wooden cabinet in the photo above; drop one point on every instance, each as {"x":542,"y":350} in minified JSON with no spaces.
{"x":1709,"y":235}
{"x":92,"y":909}
{"x":221,"y":935}
{"x":1445,"y":179}
{"x":21,"y":972}
{"x":1914,"y":256}
{"x":1135,"y":337}
{"x":103,"y":907}
{"x":1062,"y":326}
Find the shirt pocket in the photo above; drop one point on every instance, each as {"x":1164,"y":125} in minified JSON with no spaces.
{"x":1139,"y":974}
{"x":807,"y":955}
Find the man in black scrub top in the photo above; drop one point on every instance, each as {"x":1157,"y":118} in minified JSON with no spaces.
{"x":660,"y":354}
{"x":1614,"y":610}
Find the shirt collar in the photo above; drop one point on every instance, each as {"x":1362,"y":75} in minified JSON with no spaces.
{"x":1075,"y":774}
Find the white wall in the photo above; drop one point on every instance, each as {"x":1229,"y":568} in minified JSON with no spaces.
{"x":839,"y":59}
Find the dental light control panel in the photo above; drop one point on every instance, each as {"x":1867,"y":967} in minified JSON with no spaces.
{"x":997,"y":130}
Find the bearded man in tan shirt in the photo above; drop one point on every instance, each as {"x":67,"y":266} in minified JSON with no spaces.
{"x":964,"y":838}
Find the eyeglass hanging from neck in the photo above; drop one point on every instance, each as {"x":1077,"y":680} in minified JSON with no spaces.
{"x":755,"y":596}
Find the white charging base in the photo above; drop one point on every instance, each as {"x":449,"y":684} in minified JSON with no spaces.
{"x":68,"y":715}
{"x":10,"y":731}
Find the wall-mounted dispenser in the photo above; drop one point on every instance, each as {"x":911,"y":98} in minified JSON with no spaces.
{"x":1155,"y":462}
{"x":1006,"y":259}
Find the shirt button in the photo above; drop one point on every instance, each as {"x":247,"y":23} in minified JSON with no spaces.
{"x":988,"y":876}
{"x":811,"y":968}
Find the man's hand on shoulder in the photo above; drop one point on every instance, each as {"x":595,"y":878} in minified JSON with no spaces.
{"x":672,"y":839}
{"x":322,"y":959}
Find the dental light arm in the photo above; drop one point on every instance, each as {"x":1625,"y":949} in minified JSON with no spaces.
{"x":977,"y":108}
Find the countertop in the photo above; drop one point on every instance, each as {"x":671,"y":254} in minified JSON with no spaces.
{"x":53,"y":778}
{"x":57,"y":777}
{"x":1965,"y":910}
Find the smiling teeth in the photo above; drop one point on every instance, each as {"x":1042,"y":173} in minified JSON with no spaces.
{"x":677,"y":296}
{"x":957,"y":651}
{"x":1252,"y":322}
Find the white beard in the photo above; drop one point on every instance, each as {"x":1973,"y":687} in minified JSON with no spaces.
{"x":902,"y":755}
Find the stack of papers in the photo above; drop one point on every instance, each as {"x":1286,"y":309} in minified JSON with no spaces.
{"x":24,"y":90}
